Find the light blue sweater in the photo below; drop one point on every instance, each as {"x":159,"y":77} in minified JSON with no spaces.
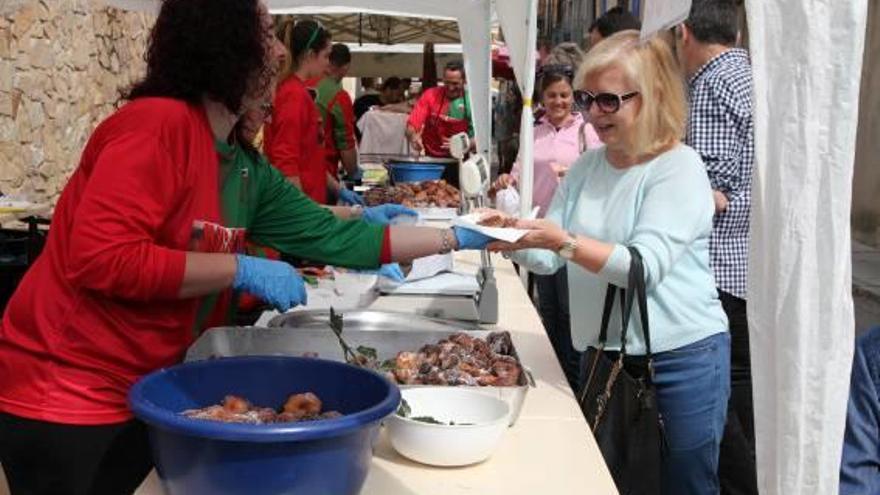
{"x":664,"y":208}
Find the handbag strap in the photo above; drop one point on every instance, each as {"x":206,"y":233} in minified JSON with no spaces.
{"x":626,"y":309}
{"x":638,"y":291}
{"x":606,"y":314}
{"x":606,"y":311}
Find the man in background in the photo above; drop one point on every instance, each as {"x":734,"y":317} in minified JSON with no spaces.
{"x":613,"y":20}
{"x":721,"y":130}
{"x":860,"y":466}
{"x":440,"y":113}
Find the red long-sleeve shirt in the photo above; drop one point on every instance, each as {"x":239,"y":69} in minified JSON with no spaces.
{"x":115,"y":259}
{"x":294,"y":138}
{"x":100,"y":308}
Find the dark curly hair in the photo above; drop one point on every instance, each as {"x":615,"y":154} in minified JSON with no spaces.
{"x":203,"y":48}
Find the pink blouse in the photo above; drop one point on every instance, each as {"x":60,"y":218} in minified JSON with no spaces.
{"x":556,"y":148}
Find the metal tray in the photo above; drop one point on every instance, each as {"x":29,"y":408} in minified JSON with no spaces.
{"x":308,"y":331}
{"x":370,"y":320}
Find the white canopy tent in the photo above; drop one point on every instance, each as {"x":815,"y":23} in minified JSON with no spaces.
{"x":401,"y":60}
{"x":518,"y":19}
{"x":800,"y":309}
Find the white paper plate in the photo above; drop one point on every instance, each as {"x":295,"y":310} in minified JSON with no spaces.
{"x":505,"y":234}
{"x":437,"y":213}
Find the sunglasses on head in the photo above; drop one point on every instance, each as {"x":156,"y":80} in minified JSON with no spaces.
{"x":566,"y":71}
{"x":606,"y":102}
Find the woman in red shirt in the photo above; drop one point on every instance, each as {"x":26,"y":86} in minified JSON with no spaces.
{"x":145,"y":245}
{"x":294,"y":138}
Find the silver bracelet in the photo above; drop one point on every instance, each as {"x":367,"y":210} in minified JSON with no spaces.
{"x":446,"y":244}
{"x":355,"y":211}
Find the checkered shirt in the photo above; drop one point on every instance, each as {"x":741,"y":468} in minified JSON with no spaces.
{"x":721,"y":129}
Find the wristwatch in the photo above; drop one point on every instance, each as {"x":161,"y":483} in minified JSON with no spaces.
{"x":568,"y":247}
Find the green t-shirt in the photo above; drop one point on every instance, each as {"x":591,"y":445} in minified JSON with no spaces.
{"x":337,"y":114}
{"x":274,"y":213}
{"x":460,"y":109}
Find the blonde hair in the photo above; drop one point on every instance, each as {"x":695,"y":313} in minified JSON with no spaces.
{"x":652,"y":68}
{"x":284,"y":32}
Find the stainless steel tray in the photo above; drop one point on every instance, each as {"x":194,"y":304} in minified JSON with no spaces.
{"x":370,"y":320}
{"x":388,"y":333}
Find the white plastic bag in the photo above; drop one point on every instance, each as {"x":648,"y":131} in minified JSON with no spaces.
{"x":507,"y":201}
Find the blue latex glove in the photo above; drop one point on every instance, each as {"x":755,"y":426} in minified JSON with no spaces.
{"x":470,"y":239}
{"x":275,"y":282}
{"x":384,"y":214}
{"x":347,"y":197}
{"x":392,"y":271}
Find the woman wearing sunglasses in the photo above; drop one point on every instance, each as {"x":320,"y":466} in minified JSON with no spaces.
{"x":294,"y":140}
{"x":647,"y":190}
{"x":561,"y":135}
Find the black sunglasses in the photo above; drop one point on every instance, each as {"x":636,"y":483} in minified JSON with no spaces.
{"x":607,"y":102}
{"x":564,"y":70}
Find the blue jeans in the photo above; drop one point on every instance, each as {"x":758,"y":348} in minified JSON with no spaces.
{"x":693,"y":387}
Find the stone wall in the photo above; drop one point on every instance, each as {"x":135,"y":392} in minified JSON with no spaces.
{"x":63,"y":64}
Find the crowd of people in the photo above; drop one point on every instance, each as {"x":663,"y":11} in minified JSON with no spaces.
{"x":668,"y":172}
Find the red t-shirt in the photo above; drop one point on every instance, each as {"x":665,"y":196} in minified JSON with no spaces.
{"x":337,"y":114}
{"x":109,"y":276}
{"x":294,"y":138}
{"x":432,"y":102}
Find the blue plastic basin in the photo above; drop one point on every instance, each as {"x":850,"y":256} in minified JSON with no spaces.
{"x":317,"y":457}
{"x":415,"y":172}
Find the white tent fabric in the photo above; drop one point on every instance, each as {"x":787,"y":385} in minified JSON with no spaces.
{"x":800,"y":303}
{"x":474,"y":19}
{"x":516,"y":18}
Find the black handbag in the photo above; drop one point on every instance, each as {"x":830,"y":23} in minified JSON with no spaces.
{"x":620,"y":405}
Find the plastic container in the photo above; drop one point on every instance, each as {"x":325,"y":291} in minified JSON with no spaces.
{"x":479,"y":424}
{"x":316,"y":457}
{"x":415,"y":172}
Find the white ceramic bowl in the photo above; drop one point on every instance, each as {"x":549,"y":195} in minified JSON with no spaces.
{"x":486,"y":420}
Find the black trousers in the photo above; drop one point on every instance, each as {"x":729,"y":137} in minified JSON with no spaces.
{"x":736,"y":465}
{"x":555,"y":315}
{"x":42,"y":458}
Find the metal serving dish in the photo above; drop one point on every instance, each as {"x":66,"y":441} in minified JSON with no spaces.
{"x":303,"y":332}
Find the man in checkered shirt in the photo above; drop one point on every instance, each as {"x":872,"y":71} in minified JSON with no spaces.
{"x":720,"y":129}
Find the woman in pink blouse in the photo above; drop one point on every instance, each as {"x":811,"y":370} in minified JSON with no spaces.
{"x":561,"y":135}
